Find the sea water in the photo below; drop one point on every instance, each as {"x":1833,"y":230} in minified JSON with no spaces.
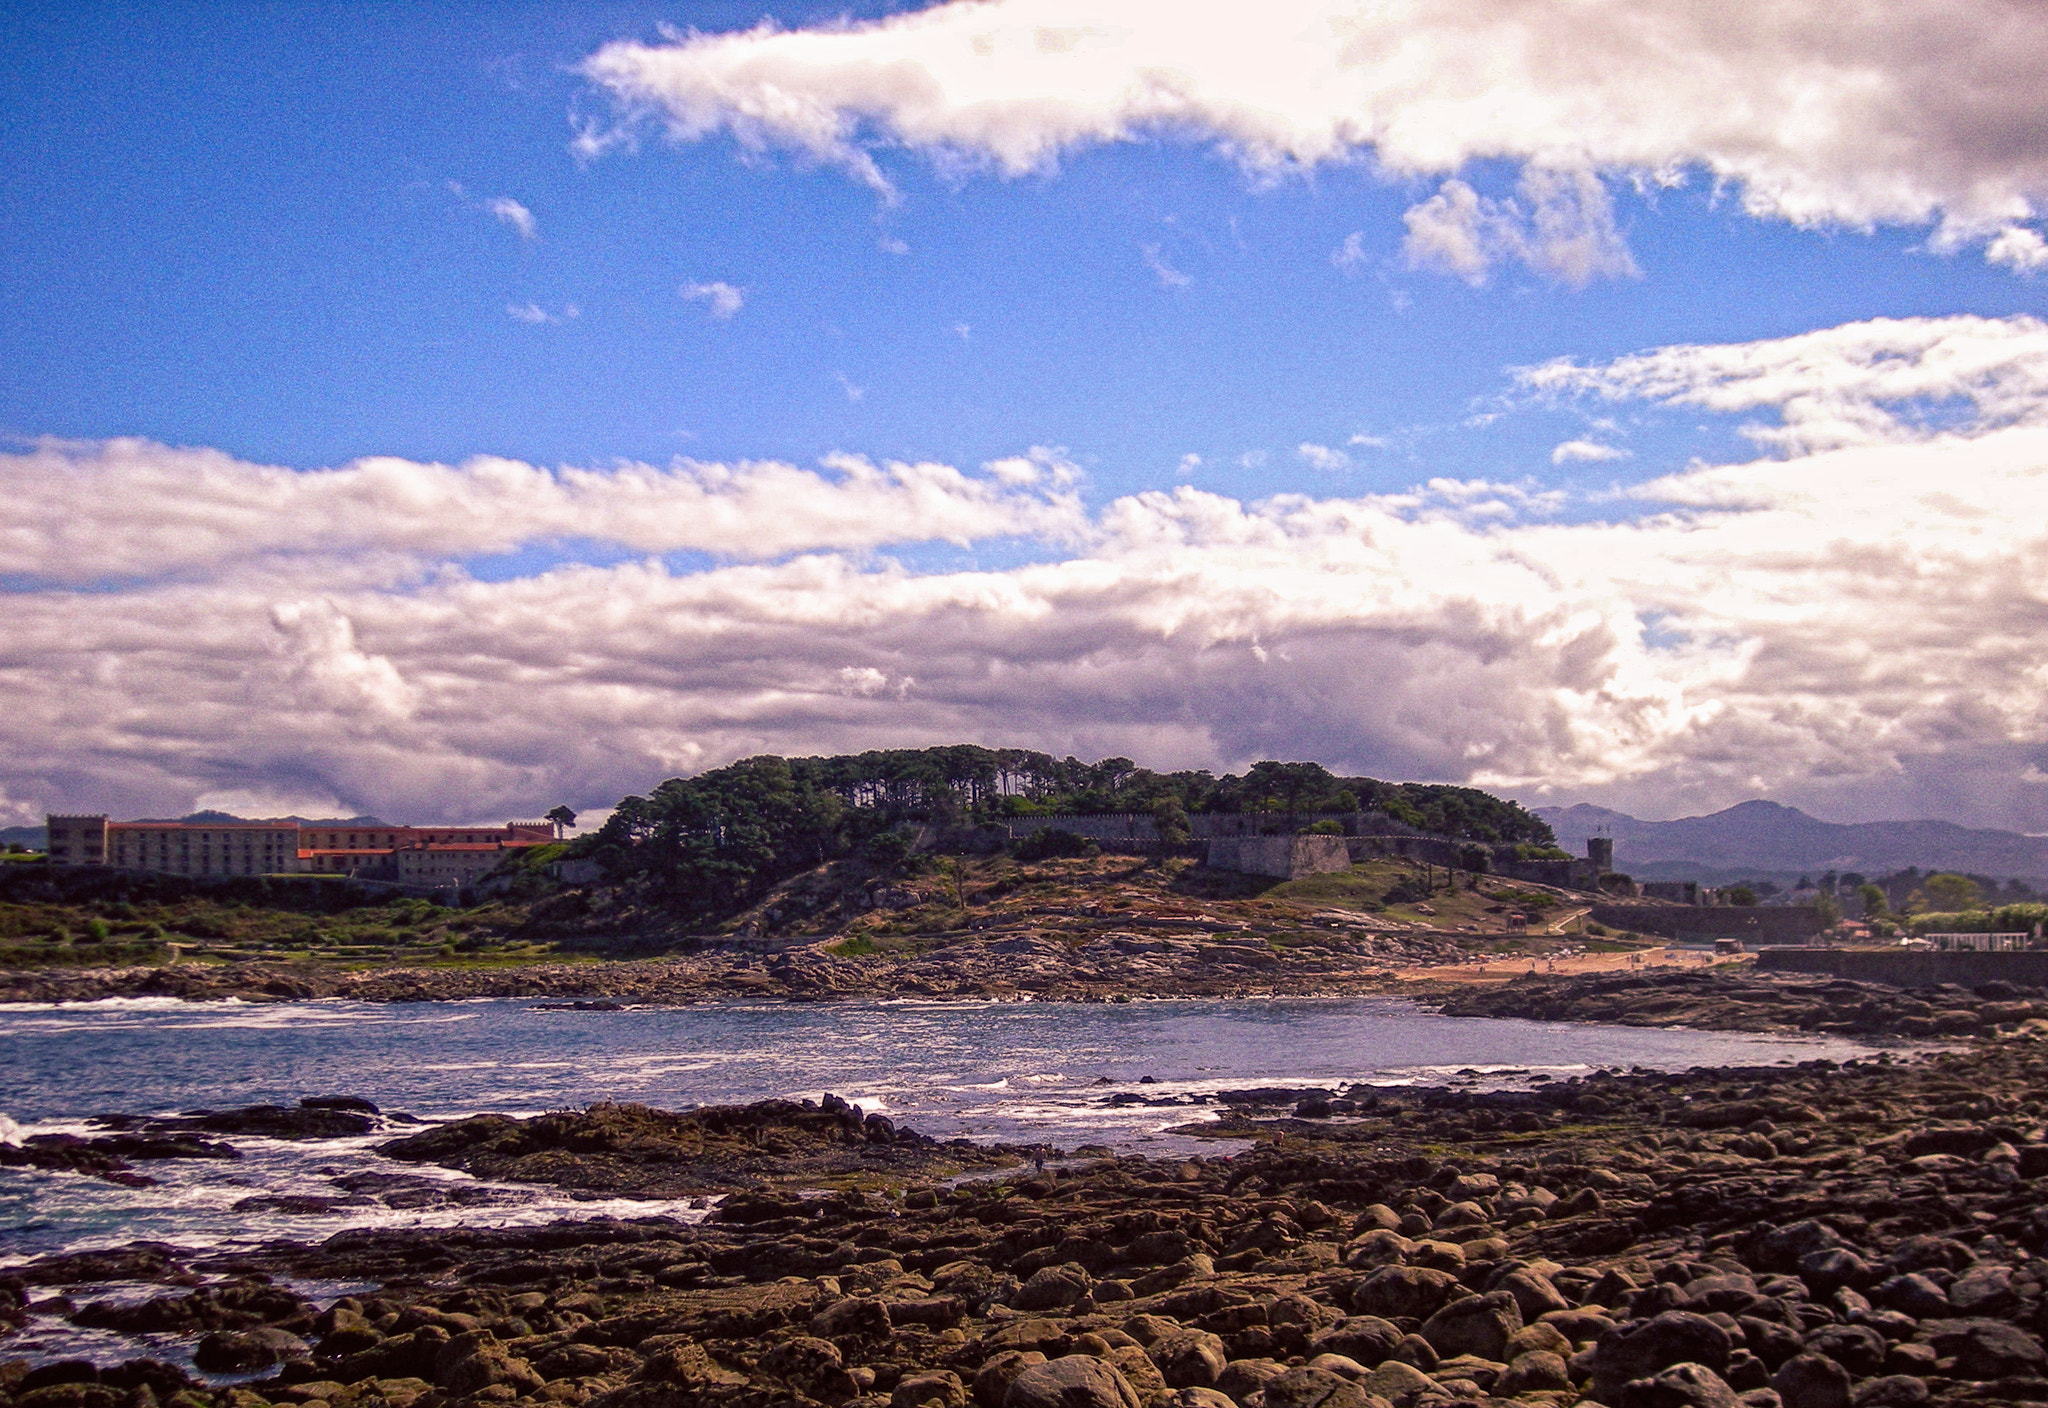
{"x":1067,"y":1074}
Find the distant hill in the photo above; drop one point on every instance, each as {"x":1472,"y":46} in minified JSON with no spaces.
{"x":33,"y":837}
{"x":1766,"y":840}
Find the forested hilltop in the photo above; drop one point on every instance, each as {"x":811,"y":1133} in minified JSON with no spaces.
{"x":710,"y":845}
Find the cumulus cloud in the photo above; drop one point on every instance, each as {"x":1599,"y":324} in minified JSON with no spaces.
{"x":130,"y":509}
{"x":1572,"y":450}
{"x":1322,"y":457}
{"x":1918,"y":112}
{"x":1820,"y":617}
{"x":1562,"y":226}
{"x":511,"y":212}
{"x":2021,"y":248}
{"x":1862,"y":383}
{"x":721,"y":300}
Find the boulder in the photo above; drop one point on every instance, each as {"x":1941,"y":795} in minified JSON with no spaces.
{"x":1340,"y":1365}
{"x":992,"y":1381}
{"x":1539,"y":1338}
{"x":1396,"y":1381}
{"x":1812,"y":1381}
{"x":689,"y":1366}
{"x":1680,"y":1386}
{"x":1986,"y":1349}
{"x":1642,"y":1348}
{"x":940,"y":1386}
{"x":1891,"y":1391}
{"x":1139,"y":1372}
{"x":1243,"y":1377}
{"x":238,"y":1351}
{"x":1076,"y":1381}
{"x":1365,"y":1338}
{"x":1053,"y":1288}
{"x":1379,"y":1246}
{"x":1982,"y":1290}
{"x":1832,"y":1268}
{"x":1402,"y":1292}
{"x":1928,"y":1253}
{"x":1912,"y":1294}
{"x":1537,"y":1371}
{"x":1857,"y":1348}
{"x":1533,"y":1293}
{"x":1307,"y":1387}
{"x":1480,"y":1325}
{"x":1188,"y":1358}
{"x":854,"y":1316}
{"x":473,"y":1362}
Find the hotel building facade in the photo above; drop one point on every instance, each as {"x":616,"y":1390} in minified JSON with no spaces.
{"x":413,"y":854}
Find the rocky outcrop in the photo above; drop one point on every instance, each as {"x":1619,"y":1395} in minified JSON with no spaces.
{"x":1740,"y":999}
{"x":643,"y":1152}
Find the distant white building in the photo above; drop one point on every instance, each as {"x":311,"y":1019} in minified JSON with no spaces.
{"x":447,"y":854}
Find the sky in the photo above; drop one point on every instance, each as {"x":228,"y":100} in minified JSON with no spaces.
{"x":447,"y":412}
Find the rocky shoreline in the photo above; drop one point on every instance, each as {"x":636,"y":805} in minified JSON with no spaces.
{"x":1721,"y":998}
{"x":1121,"y":965}
{"x":1744,"y":1000}
{"x":1861,"y":1235}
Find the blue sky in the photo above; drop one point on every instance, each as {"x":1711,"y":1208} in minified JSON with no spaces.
{"x":299,"y":236}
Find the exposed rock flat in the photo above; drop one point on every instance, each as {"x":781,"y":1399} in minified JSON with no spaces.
{"x":1114,"y":964}
{"x":1860,"y":1235}
{"x":1741,"y":999}
{"x":637,"y":1151}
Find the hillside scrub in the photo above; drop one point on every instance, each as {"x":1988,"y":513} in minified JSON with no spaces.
{"x":2006,"y":919}
{"x":111,"y":919}
{"x":705,"y":848}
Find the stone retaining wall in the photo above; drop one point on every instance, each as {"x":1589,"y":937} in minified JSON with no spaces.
{"x":1789,"y":924}
{"x":1908,"y":968}
{"x":1283,"y":857}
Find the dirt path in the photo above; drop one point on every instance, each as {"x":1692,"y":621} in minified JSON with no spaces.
{"x":1500,"y":970}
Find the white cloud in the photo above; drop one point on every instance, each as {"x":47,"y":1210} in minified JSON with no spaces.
{"x":963,"y":331}
{"x":82,"y":513}
{"x":1868,"y":611}
{"x":1861,"y":383}
{"x":1572,"y":450}
{"x":1322,"y":457}
{"x":534,"y":314}
{"x":1562,"y":226}
{"x":1918,"y":112}
{"x":1350,"y":256}
{"x":2020,"y":247}
{"x":1168,"y":276}
{"x":846,"y":384}
{"x":721,"y":300}
{"x":1189,"y":463}
{"x":511,"y":212}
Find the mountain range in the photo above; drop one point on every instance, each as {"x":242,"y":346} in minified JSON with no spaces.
{"x":1764,"y":840}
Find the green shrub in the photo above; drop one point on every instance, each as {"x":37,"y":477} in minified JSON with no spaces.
{"x":1048,"y":842}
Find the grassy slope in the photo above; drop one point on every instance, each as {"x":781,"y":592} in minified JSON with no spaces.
{"x":98,"y":933}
